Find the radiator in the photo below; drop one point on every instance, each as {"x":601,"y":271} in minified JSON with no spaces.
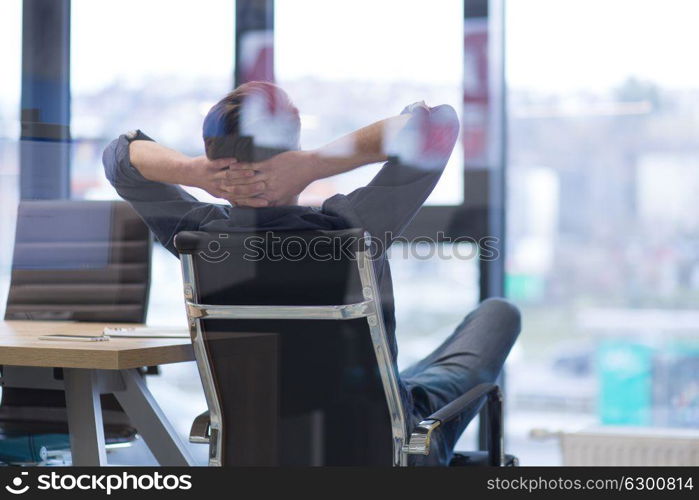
{"x":630,"y":446}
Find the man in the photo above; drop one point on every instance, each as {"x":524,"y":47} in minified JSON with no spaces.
{"x":253,"y":160}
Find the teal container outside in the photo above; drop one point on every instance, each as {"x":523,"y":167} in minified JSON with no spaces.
{"x":625,"y":374}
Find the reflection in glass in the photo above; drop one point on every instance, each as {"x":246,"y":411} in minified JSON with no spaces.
{"x":603,"y":238}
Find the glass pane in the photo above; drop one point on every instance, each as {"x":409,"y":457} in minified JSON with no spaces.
{"x":603,"y":236}
{"x":155,"y":79}
{"x":138,"y":71}
{"x":10,"y":62}
{"x":341,"y":81}
{"x":435,"y":285}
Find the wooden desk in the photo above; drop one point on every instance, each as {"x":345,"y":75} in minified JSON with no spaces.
{"x":94,"y":368}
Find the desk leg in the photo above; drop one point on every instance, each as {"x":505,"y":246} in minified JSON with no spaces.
{"x":150,"y":421}
{"x":84,"y":417}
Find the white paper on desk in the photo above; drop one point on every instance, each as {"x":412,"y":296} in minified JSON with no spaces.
{"x":73,"y":338}
{"x":151,"y":332}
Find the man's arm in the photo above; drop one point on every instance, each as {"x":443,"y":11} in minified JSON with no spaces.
{"x":146,"y":175}
{"x":418,"y":155}
{"x":158,"y":163}
{"x":287,"y":174}
{"x":370,"y":144}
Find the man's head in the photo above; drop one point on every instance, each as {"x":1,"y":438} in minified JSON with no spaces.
{"x":254,"y":122}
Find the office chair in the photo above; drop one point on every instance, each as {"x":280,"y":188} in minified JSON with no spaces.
{"x":79,"y":261}
{"x":73,"y":261}
{"x":293,"y":355}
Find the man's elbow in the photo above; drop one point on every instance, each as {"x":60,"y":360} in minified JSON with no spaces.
{"x":109,"y":161}
{"x":441,"y":134}
{"x":446,"y":118}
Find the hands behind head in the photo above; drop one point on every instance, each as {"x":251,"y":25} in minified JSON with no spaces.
{"x":212,"y":177}
{"x":277,"y":181}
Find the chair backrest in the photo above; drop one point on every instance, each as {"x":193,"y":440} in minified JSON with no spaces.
{"x":81,"y":261}
{"x":313,"y":299}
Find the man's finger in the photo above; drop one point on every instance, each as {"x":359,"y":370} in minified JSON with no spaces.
{"x":243,"y":166}
{"x":230,"y":186}
{"x":247,"y":189}
{"x":236,"y":175}
{"x":225,"y":175}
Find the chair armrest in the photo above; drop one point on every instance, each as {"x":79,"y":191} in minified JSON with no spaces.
{"x":452,"y":410}
{"x":200,"y":431}
{"x":419,"y":443}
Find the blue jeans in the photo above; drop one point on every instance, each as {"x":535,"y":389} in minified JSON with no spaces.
{"x":472,"y":355}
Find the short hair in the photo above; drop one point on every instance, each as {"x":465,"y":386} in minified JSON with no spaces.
{"x":254,"y":122}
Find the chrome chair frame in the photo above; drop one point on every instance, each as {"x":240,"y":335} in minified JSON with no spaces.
{"x":370,"y":309}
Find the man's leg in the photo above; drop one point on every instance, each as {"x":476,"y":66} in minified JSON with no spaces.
{"x":473,"y":354}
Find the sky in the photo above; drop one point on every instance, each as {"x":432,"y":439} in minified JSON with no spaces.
{"x":553,"y":45}
{"x":370,"y":39}
{"x":375,"y":39}
{"x":564,"y":45}
{"x":10,"y":40}
{"x":149,"y":37}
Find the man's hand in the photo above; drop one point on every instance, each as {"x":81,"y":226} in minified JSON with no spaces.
{"x":158,"y":163}
{"x":277,"y":181}
{"x":212,"y":177}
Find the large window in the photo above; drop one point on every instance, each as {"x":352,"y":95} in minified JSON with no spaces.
{"x":347,"y":64}
{"x":603,"y":238}
{"x":158,"y":66}
{"x":10,"y":62}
